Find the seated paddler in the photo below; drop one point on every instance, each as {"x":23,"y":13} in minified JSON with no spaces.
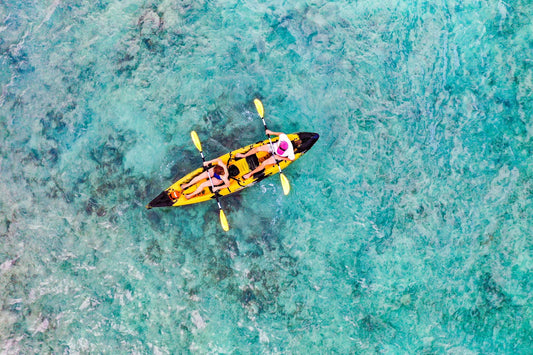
{"x":281,"y":150}
{"x":218,"y":173}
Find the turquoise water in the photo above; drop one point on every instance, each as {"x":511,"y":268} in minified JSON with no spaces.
{"x":408,"y":227}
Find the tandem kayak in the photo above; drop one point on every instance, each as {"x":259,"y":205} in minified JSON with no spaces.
{"x":237,"y":168}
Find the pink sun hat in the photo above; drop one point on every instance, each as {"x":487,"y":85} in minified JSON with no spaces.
{"x":284,"y":147}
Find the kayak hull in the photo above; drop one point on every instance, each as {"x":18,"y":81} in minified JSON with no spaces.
{"x":173,"y":196}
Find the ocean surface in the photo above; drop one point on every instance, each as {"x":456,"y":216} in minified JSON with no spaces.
{"x":408,"y":229}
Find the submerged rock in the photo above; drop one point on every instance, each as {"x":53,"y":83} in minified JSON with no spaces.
{"x":150,"y":23}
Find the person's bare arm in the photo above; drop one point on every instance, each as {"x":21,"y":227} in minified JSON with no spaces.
{"x":226,"y":184}
{"x":267,"y":131}
{"x":217,"y":160}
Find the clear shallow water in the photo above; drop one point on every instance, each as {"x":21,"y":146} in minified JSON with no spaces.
{"x":408,"y":228}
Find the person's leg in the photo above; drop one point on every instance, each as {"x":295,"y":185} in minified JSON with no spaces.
{"x":262,"y":148}
{"x":269,"y":161}
{"x":200,"y":188}
{"x":195,"y":180}
{"x":248,"y":153}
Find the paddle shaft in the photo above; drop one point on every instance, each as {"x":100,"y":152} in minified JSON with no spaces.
{"x":271,"y":145}
{"x":198,"y":144}
{"x":284,"y":181}
{"x":210,"y":180}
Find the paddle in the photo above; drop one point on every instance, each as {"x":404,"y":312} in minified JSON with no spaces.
{"x":284,"y":181}
{"x":223,"y":220}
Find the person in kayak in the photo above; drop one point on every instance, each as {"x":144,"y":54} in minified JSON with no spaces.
{"x":281,"y":150}
{"x":219,"y":176}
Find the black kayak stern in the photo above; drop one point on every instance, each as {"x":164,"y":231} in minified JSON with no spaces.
{"x":162,"y":200}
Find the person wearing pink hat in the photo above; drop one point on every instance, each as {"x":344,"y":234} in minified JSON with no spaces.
{"x":282,"y":150}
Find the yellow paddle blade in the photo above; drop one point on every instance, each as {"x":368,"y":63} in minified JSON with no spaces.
{"x":259,"y":107}
{"x":196,"y":140}
{"x":285,"y":184}
{"x":224,"y":221}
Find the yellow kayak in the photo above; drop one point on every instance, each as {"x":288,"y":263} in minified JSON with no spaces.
{"x":237,"y":167}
